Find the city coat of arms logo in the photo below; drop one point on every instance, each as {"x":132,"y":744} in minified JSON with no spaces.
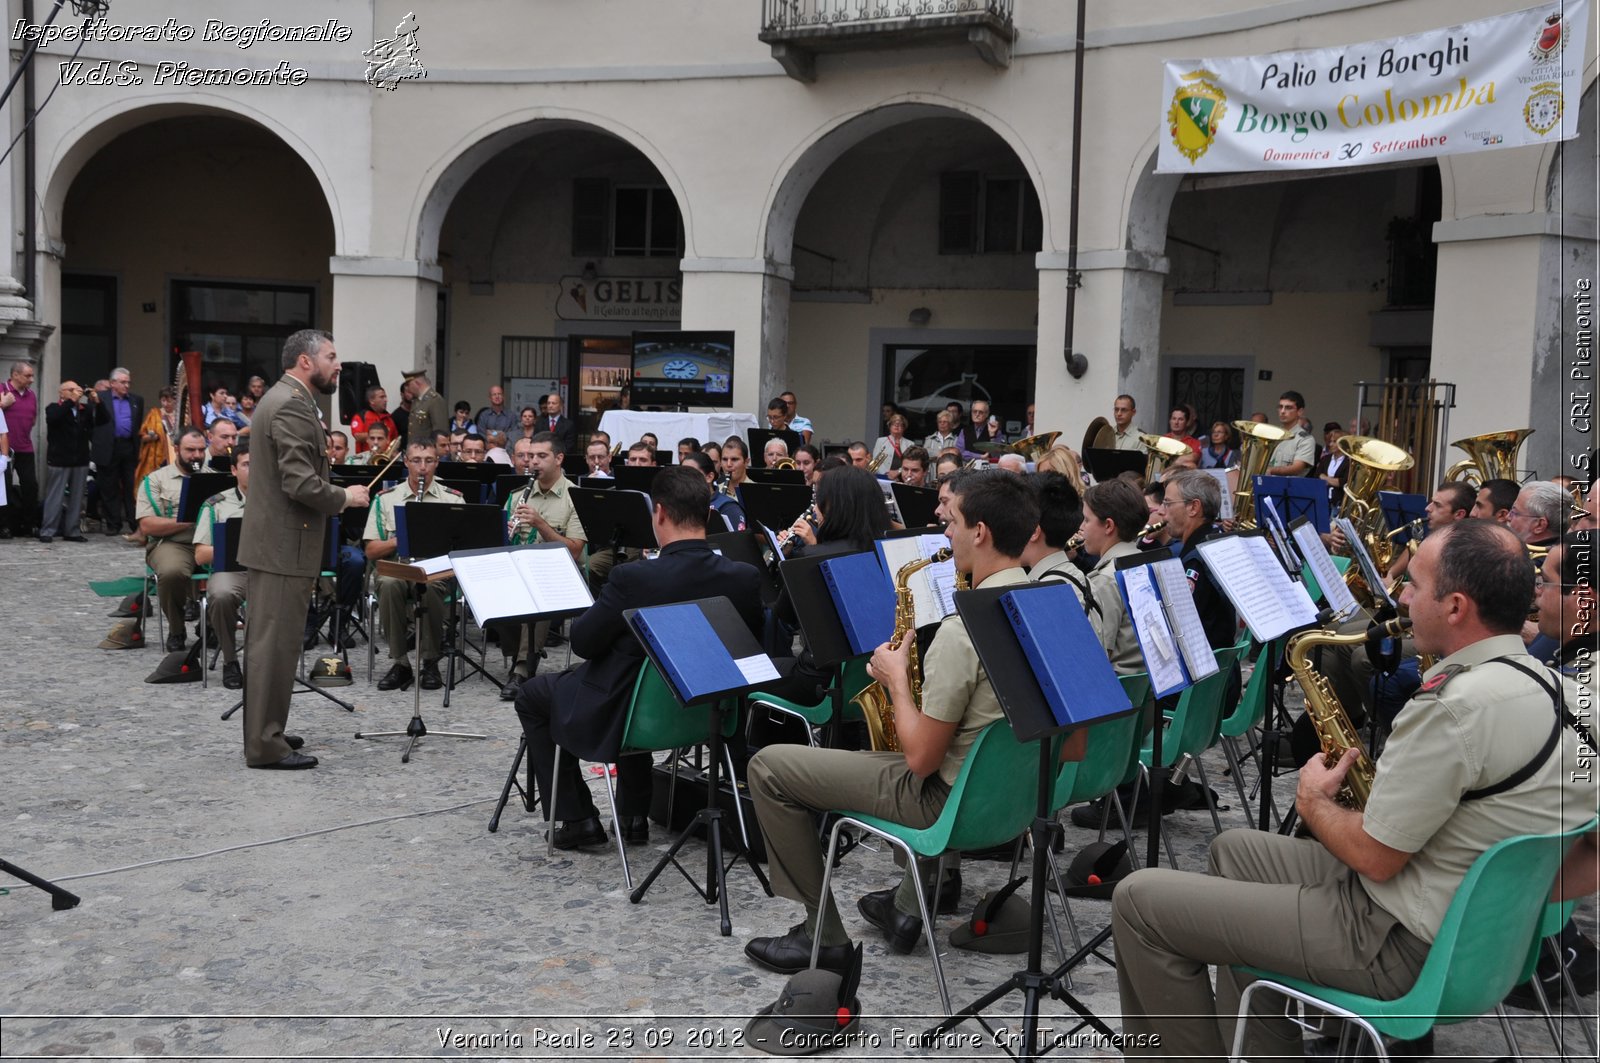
{"x":1550,"y":40}
{"x":1196,"y":114}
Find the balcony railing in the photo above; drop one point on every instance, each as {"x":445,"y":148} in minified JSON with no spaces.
{"x":799,"y":30}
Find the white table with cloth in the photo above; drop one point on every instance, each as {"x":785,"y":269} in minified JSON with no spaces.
{"x":626,"y":426}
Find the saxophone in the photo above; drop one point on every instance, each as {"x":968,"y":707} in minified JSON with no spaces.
{"x":1328,"y":717}
{"x":873,"y":701}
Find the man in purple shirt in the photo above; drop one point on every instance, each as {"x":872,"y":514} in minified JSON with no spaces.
{"x":21,"y":405}
{"x":116,"y":452}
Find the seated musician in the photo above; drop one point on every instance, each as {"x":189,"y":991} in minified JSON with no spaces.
{"x":377,"y":441}
{"x":224,"y":590}
{"x":991,"y":517}
{"x":642,"y":455}
{"x":394,"y":595}
{"x":776,"y":450}
{"x":170,"y":542}
{"x":583,"y":709}
{"x":1358,"y":907}
{"x":1495,"y":499}
{"x":1113,"y":515}
{"x":1060,"y":516}
{"x":913,"y":467}
{"x":541,"y":512}
{"x":222,"y":437}
{"x":727,"y":507}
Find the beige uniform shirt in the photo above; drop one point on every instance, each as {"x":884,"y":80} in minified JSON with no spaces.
{"x":1298,"y":447}
{"x":554,"y":505}
{"x":219,"y":509}
{"x":1057,"y":567}
{"x":1128,"y":440}
{"x":381,"y":518}
{"x":1112,"y":623}
{"x":158,"y":496}
{"x":955,"y":688}
{"x":1470,"y":725}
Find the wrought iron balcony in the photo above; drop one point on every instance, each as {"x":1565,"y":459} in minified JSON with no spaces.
{"x":799,"y":30}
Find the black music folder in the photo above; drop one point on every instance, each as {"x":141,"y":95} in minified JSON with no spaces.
{"x":916,"y":504}
{"x":197,"y":487}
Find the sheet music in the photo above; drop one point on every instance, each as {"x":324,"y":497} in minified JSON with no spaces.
{"x":757,"y":668}
{"x":555,"y":582}
{"x":1369,"y":568}
{"x":1340,"y":600}
{"x":1150,"y":625}
{"x":932,"y":588}
{"x":1221,"y":476}
{"x":1248,"y":572}
{"x":433,"y":565}
{"x":491,"y":586}
{"x":1198,"y":657}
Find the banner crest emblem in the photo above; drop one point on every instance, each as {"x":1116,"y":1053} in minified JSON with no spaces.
{"x":1196,"y":114}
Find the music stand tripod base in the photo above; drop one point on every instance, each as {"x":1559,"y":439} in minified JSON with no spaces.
{"x":60,"y":899}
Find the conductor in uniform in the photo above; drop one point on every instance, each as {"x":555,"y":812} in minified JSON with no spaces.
{"x":282,"y":540}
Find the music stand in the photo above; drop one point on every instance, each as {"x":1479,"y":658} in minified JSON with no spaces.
{"x":225,"y":559}
{"x":60,"y":899}
{"x":597,"y":483}
{"x":735,"y":640}
{"x":1031,"y":720}
{"x":916,"y":504}
{"x":508,"y":484}
{"x":617,"y":517}
{"x":435,"y":530}
{"x":1296,"y":496}
{"x":197,"y":487}
{"x":470,"y":489}
{"x":1107,"y":464}
{"x":762,"y":475}
{"x":633,"y":477}
{"x":573,"y":465}
{"x":824,"y":633}
{"x":759,"y":437}
{"x":775,"y":506}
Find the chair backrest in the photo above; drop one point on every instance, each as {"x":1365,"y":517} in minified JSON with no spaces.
{"x":1111,"y":753}
{"x":1199,"y":712}
{"x":656,"y":721}
{"x":1482,"y":945}
{"x":995,"y":796}
{"x":1252,"y":707}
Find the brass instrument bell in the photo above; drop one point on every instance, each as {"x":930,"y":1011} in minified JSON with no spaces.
{"x":1159,"y":453}
{"x":1490,"y":456}
{"x":1256,"y":443}
{"x":1035,"y":447}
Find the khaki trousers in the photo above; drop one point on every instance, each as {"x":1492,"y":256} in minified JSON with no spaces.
{"x":790,"y":782}
{"x":394,"y":612}
{"x":173,"y":564}
{"x":224,"y":597}
{"x":1283,"y":904}
{"x":272,"y":649}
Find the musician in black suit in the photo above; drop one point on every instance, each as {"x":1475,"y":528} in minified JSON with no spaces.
{"x":583,"y":709}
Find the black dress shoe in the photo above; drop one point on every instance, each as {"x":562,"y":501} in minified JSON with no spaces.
{"x":636,"y":830}
{"x":191,"y":611}
{"x":295,"y":741}
{"x":398,"y":677}
{"x":901,"y":931}
{"x":74,"y":538}
{"x":579,"y":834}
{"x":791,"y":953}
{"x":292,"y":762}
{"x":46,"y":539}
{"x":176,"y":641}
{"x":512,"y":688}
{"x":232,"y":675}
{"x":431,"y":679}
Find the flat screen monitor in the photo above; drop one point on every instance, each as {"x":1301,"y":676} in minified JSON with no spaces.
{"x":673,"y":369}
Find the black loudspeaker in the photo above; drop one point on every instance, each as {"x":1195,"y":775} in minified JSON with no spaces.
{"x":354,"y":380}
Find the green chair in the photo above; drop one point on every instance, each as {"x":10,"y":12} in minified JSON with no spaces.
{"x":656,"y":722}
{"x":1481,"y":950}
{"x":819,"y":715}
{"x":991,"y":802}
{"x":1246,"y":717}
{"x":1556,"y":914}
{"x":1189,"y":731}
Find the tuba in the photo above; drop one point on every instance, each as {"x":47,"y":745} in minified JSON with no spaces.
{"x":873,"y":701}
{"x":1256,"y":442}
{"x":1328,"y":716}
{"x":1159,"y":453}
{"x":1372,"y":461}
{"x":1490,"y":456}
{"x":1035,"y":447}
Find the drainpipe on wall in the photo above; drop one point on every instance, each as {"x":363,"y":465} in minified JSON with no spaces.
{"x":1076,"y":363}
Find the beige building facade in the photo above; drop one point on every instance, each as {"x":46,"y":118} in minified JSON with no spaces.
{"x":882,"y":223}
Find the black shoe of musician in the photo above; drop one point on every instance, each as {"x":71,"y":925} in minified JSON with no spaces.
{"x":191,"y":611}
{"x":295,"y":741}
{"x":232,"y":677}
{"x":293,"y":762}
{"x":431,"y":679}
{"x":901,"y":931}
{"x":398,"y":677}
{"x":791,"y":953}
{"x":636,"y":830}
{"x":176,"y":641}
{"x":579,"y":834}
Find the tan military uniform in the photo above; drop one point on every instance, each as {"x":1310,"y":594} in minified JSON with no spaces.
{"x":790,"y":782}
{"x":1128,"y":440}
{"x":555,"y":506}
{"x":171,"y":557}
{"x":429,"y":414}
{"x":394,"y":595}
{"x":224,"y":590}
{"x":1112,"y":623}
{"x":1287,"y":904}
{"x":1298,"y":447}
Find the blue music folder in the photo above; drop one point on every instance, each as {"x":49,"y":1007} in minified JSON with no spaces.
{"x":864,"y":599}
{"x":1064,"y":653}
{"x":1297,"y":496}
{"x":703,"y":648}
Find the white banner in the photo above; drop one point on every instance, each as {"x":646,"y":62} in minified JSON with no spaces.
{"x":1497,"y":83}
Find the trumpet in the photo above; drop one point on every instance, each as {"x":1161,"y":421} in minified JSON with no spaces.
{"x":1074,"y":543}
{"x":1151,"y":529}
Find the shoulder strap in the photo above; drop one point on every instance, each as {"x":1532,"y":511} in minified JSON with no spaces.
{"x":1564,"y":718}
{"x":1080,"y":581}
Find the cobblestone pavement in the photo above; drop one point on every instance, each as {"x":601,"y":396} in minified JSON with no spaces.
{"x":362,"y":909}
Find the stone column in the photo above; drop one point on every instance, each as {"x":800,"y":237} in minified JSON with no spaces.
{"x":385,"y":311}
{"x":751,"y":297}
{"x":1117,"y":328}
